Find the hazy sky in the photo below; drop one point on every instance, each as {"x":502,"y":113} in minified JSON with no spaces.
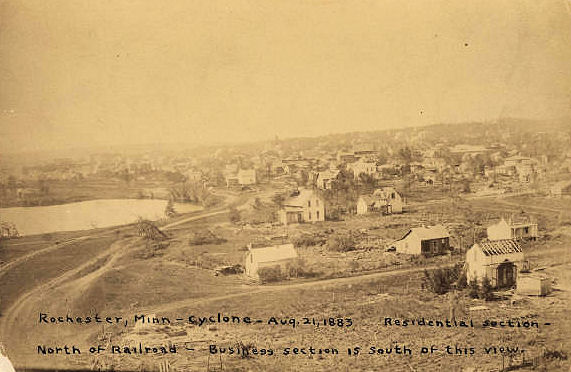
{"x":90,"y":72}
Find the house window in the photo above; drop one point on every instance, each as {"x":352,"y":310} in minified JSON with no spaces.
{"x":318,"y":215}
{"x":393,"y":195}
{"x":309,"y":203}
{"x":310,"y":216}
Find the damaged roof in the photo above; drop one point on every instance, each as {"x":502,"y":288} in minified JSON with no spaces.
{"x":497,"y":247}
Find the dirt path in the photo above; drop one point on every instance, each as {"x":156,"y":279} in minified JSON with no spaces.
{"x":10,"y":316}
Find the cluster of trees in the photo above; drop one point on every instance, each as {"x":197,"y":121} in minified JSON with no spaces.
{"x":297,"y":269}
{"x":190,"y":192}
{"x":442,"y":280}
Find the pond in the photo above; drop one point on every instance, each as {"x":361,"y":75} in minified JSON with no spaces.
{"x":87,"y":215}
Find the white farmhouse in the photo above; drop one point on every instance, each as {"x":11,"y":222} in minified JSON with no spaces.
{"x":307,"y":206}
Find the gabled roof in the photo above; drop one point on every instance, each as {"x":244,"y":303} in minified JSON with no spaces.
{"x":497,"y":247}
{"x":273,"y":253}
{"x":433,"y":232}
{"x":299,"y":200}
{"x":428,"y":233}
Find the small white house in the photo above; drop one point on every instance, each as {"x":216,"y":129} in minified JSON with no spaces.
{"x":428,"y":241}
{"x":393,"y":198}
{"x":496,"y":260}
{"x":277,"y":255}
{"x":513,"y":229}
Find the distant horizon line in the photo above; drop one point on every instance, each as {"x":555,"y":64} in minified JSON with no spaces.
{"x":194,"y":145}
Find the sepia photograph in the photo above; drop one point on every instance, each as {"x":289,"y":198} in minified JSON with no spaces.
{"x":285,"y":185}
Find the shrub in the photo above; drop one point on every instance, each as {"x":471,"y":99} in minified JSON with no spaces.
{"x":486,"y":292}
{"x":341,"y":243}
{"x":307,"y":240}
{"x":205,"y":237}
{"x":234,"y":215}
{"x":299,"y":270}
{"x":441,"y":280}
{"x":270,"y":274}
{"x":555,"y":354}
{"x":474,"y":289}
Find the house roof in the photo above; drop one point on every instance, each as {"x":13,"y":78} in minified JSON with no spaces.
{"x":374,"y":200}
{"x":299,"y":200}
{"x":433,"y":232}
{"x":428,"y":233}
{"x":273,"y":253}
{"x":497,"y":247}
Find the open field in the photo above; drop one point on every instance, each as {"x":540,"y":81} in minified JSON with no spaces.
{"x":120,"y":274}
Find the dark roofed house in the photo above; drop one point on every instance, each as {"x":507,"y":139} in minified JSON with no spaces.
{"x":428,"y":241}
